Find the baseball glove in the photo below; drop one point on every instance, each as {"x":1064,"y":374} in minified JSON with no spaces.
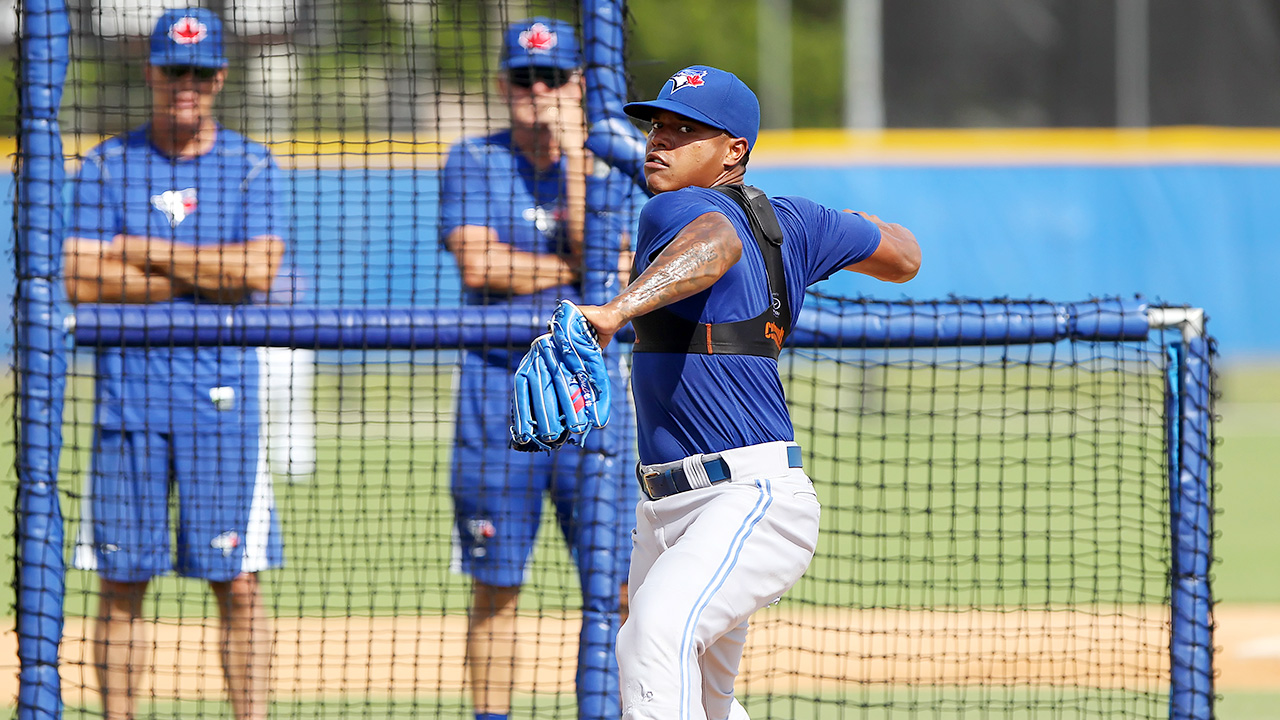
{"x":577,"y":347}
{"x":547,"y":406}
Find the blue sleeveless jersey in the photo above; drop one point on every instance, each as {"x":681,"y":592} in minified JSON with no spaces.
{"x":227,"y":195}
{"x":687,"y":404}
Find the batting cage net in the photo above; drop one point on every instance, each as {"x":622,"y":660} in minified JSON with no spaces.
{"x":260,"y":400}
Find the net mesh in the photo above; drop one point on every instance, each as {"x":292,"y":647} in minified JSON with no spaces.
{"x":996,"y":519}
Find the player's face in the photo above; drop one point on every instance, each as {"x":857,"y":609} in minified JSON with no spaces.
{"x":682,"y":152}
{"x":184,"y":95}
{"x":541,"y":97}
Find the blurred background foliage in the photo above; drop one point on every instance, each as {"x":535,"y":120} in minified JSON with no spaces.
{"x":395,"y":66}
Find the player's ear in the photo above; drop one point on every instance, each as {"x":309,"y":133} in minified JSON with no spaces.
{"x":735,"y":152}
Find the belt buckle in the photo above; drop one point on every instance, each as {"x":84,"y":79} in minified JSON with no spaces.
{"x":645,"y":482}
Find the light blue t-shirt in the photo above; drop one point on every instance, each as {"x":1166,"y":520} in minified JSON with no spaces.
{"x":688,"y":404}
{"x":227,"y":195}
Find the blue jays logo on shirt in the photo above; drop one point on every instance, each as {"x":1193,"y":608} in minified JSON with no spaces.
{"x":188,"y":31}
{"x":544,"y":217}
{"x":177,"y":205}
{"x":688,"y":79}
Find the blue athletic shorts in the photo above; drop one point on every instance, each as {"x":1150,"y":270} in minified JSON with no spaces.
{"x":498,"y":492}
{"x":226,"y":520}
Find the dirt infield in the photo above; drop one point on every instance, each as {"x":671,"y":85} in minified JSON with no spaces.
{"x":394,"y":655}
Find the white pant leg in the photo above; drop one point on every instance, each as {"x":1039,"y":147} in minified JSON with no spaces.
{"x":288,"y":378}
{"x":705,"y":561}
{"x":719,"y":671}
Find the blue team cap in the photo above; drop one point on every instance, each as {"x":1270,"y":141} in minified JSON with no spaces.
{"x":715,"y":97}
{"x":540,"y":42}
{"x":191,"y":36}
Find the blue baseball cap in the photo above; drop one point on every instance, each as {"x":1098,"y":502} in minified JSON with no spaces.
{"x":540,"y":42}
{"x":714,"y":97}
{"x":191,"y":36}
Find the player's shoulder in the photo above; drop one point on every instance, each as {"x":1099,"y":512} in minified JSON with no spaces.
{"x":232,"y":144}
{"x":686,"y":199}
{"x":113,"y":150}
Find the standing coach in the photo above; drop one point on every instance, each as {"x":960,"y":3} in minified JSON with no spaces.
{"x":513,"y":209}
{"x":180,"y":211}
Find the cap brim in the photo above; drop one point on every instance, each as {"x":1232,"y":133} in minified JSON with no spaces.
{"x":646,"y":110}
{"x":163,"y":59}
{"x":524,"y":61}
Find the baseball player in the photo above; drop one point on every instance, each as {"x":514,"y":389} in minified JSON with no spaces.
{"x":180,"y":211}
{"x":730,"y":520}
{"x":512,"y":208}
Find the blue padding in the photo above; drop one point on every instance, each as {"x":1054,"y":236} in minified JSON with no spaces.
{"x":852,"y":324}
{"x":41,"y":360}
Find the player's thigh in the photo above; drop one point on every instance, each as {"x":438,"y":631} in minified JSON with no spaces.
{"x":727,"y":552}
{"x":129,"y":502}
{"x":222,"y":486}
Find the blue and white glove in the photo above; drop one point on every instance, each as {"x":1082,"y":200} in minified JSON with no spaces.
{"x":547,"y":406}
{"x":578,"y":349}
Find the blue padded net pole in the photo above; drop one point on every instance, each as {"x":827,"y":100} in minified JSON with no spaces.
{"x":1191,"y":487}
{"x":613,"y":139}
{"x":41,"y":359}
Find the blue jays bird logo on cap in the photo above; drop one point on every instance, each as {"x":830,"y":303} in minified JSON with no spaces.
{"x":538,"y":38}
{"x":688,"y":78}
{"x":188,"y":31}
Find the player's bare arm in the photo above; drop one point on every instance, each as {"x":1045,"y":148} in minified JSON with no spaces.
{"x":94,"y":273}
{"x":485,"y":262}
{"x":897,"y":259}
{"x":698,"y":256}
{"x":224,"y":272}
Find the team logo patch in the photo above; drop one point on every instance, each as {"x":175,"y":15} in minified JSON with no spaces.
{"x":538,"y":39}
{"x":481,"y":529}
{"x":177,"y":205}
{"x":188,"y":31}
{"x":227,"y":542}
{"x":688,"y":79}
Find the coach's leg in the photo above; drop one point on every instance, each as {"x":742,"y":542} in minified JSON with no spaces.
{"x":120,"y":649}
{"x":246,"y":645}
{"x":491,"y":647}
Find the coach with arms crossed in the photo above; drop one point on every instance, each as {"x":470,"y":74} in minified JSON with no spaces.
{"x":512,"y":208}
{"x":180,"y":211}
{"x":730,"y":521}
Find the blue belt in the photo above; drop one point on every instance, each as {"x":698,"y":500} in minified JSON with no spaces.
{"x":664,"y":483}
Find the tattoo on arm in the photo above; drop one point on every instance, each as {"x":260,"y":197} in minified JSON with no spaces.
{"x":699,"y":256}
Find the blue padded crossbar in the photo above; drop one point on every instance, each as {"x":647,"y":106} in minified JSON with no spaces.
{"x":859,"y":324}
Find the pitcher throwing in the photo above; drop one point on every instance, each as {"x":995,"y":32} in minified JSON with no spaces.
{"x":730,"y":520}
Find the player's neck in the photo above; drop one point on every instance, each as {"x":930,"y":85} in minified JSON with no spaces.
{"x":537,"y":146}
{"x":183,"y":141}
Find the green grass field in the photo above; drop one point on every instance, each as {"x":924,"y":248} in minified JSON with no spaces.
{"x":369,"y":534}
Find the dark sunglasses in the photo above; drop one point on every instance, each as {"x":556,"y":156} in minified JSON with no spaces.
{"x":177,"y":72}
{"x":552,"y":77}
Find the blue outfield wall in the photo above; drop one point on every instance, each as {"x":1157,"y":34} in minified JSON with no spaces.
{"x":1201,"y":234}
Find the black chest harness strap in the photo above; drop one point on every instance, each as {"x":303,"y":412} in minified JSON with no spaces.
{"x":762,"y":335}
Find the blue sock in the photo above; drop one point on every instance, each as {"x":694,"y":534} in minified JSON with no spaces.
{"x":490,"y":716}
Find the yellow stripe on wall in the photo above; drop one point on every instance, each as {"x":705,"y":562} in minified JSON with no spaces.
{"x":1165,"y":145}
{"x":1020,"y":146}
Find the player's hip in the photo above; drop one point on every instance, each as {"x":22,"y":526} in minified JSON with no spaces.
{"x":779,"y":463}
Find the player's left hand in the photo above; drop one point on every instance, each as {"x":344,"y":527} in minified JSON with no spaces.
{"x":547,"y":405}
